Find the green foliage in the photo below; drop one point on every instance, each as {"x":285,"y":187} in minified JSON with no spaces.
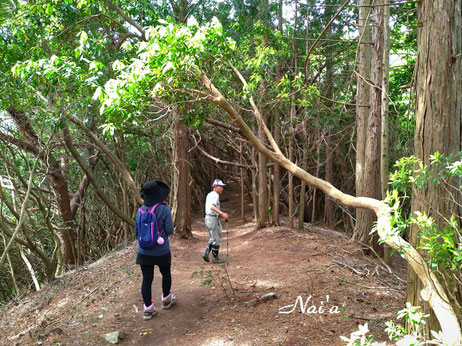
{"x":441,"y":243}
{"x":442,"y":246}
{"x":403,"y":53}
{"x":216,"y":278}
{"x":413,"y":173}
{"x":396,"y":333}
{"x":405,"y":176}
{"x":167,"y":68}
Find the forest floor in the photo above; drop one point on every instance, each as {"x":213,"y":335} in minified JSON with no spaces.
{"x":81,"y":306}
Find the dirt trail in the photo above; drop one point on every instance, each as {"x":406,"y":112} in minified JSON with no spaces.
{"x":105,"y":296}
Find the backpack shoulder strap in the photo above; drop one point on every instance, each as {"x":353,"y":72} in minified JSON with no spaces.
{"x":154,"y":207}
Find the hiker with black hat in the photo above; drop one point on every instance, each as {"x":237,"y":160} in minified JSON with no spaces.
{"x":153,"y":226}
{"x":212,"y":223}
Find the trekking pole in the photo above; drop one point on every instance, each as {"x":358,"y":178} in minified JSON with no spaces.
{"x":227,"y":256}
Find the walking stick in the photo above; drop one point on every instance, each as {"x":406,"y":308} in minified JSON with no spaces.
{"x":227,"y":256}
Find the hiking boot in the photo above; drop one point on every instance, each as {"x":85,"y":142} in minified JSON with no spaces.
{"x":215,"y":251}
{"x":168,"y":301}
{"x":205,"y":255}
{"x":218,"y":260}
{"x":149,"y":312}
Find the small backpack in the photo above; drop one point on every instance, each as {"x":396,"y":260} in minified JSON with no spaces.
{"x":148,"y":231}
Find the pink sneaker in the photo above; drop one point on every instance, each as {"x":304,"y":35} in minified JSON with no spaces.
{"x":149,"y":312}
{"x":168,"y":301}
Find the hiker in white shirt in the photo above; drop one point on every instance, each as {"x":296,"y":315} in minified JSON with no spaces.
{"x":212,"y":222}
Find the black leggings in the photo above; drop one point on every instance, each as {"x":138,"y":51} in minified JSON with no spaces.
{"x":148,"y":276}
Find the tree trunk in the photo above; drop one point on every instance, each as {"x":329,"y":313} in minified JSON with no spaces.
{"x":180,"y":9}
{"x":301,"y":208}
{"x":372,"y":162}
{"x":10,"y":266}
{"x":290,"y":175}
{"x":438,"y":121}
{"x":368,"y":138}
{"x":262,"y":219}
{"x":291,"y":127}
{"x":128,"y":234}
{"x":277,"y":130}
{"x":254,"y":185}
{"x":241,"y":160}
{"x":181,"y":178}
{"x":318,"y":168}
{"x":362,"y":95}
{"x":329,"y":204}
{"x":276,"y":172}
{"x":384,"y":141}
{"x":67,"y":231}
{"x":363,"y":217}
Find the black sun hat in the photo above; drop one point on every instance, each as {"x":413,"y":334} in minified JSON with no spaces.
{"x":154,"y":192}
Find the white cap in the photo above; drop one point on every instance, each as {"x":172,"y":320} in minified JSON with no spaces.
{"x":218,"y":182}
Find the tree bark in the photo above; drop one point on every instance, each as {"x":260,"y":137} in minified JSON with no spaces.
{"x":301,"y":208}
{"x":372,"y":162}
{"x":329,"y":205}
{"x":276,"y":172}
{"x":368,"y":132}
{"x":262,"y":219}
{"x":438,"y":122}
{"x":291,"y":127}
{"x":318,"y":168}
{"x":362,"y":111}
{"x":241,"y":159}
{"x":277,"y":130}
{"x":384,"y":141}
{"x":181,"y":178}
{"x":254,"y":187}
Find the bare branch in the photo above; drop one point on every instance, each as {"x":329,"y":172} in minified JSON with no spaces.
{"x":217,"y":160}
{"x":127,"y":18}
{"x":21,"y":215}
{"x":115,"y":161}
{"x":223,"y":125}
{"x":90,"y":18}
{"x":258,"y":114}
{"x":93,"y":180}
{"x":78,"y":196}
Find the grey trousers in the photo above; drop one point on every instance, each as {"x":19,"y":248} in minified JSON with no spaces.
{"x":213,"y":226}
